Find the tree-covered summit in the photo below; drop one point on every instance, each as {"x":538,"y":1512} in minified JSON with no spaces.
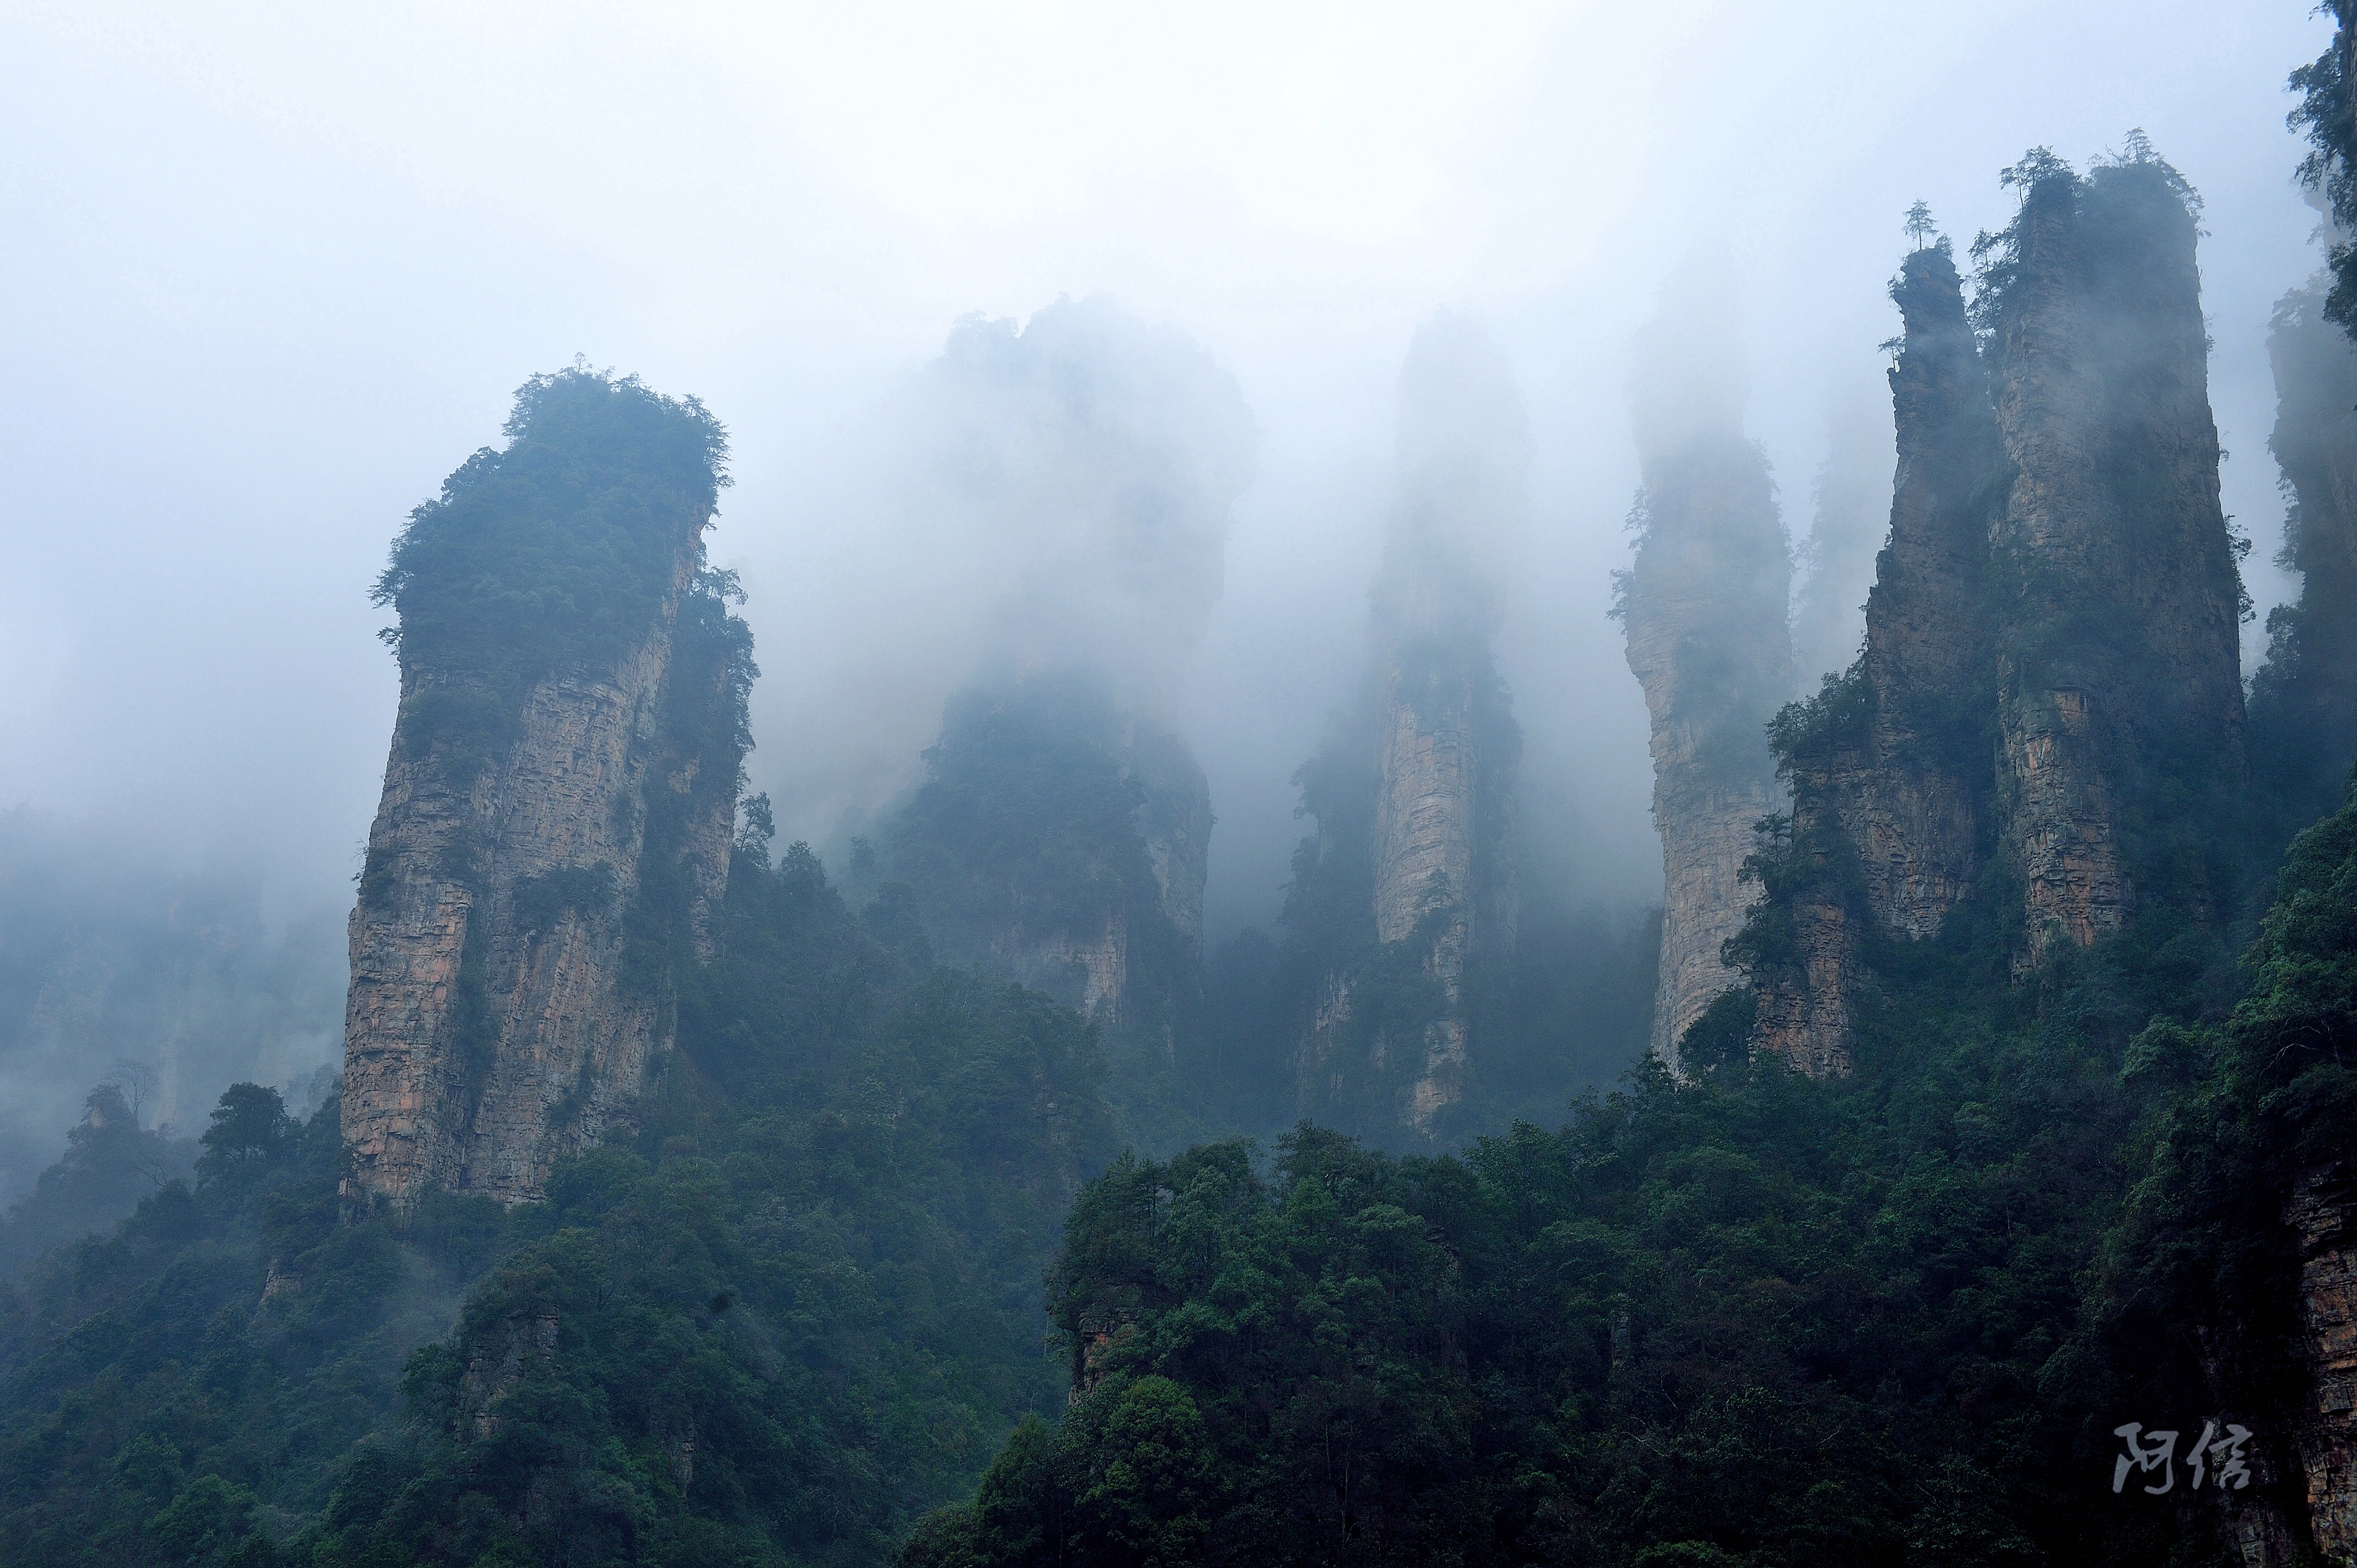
{"x":557,"y":551}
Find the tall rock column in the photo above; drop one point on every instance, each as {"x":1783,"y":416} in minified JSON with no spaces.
{"x":1927,"y":655}
{"x":558,"y":802}
{"x":1403,"y":906}
{"x":2118,"y":664}
{"x":2049,"y":696}
{"x":1890,"y":766}
{"x":1061,"y":833}
{"x":1444,"y":751}
{"x":2304,"y":698}
{"x":1704,"y":605}
{"x":2303,"y":719}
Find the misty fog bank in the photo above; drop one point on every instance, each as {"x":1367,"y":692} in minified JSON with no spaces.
{"x":169,"y":985}
{"x":283,"y":271}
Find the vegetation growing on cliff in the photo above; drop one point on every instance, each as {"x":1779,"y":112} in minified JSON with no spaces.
{"x":1752,"y":1318}
{"x":1325,"y":1019}
{"x":1025,"y":849}
{"x":791,"y":1314}
{"x":2083,"y":616}
{"x":2304,"y":698}
{"x":2201,"y":1280}
{"x":554,"y":553}
{"x":2328,"y":113}
{"x":1027,"y":819}
{"x":798,"y":1308}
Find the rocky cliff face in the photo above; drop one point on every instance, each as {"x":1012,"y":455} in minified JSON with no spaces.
{"x":1407,"y":893}
{"x":1890,"y":770}
{"x":2120,"y":699}
{"x":1443,"y":758}
{"x":1063,"y":830}
{"x":2303,"y":737}
{"x":1919,"y":818}
{"x":541,"y":861}
{"x":1175,"y":821}
{"x":1061,"y":841}
{"x":1406,"y":899}
{"x":2050,"y":689}
{"x":2304,"y":699}
{"x":1128,"y":961}
{"x":490,"y":1027}
{"x":2323,"y":1214}
{"x":1703,"y":606}
{"x":2303,"y":720}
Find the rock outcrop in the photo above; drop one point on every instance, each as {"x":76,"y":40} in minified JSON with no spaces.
{"x":1920,"y":805}
{"x":557,"y":816}
{"x":2304,"y":698}
{"x":1174,"y":819}
{"x":1444,"y":758}
{"x":1704,"y":605}
{"x":1889,"y":766}
{"x":2050,"y":697}
{"x":1412,"y":863}
{"x":1061,"y":842}
{"x":2303,"y":718}
{"x":2120,"y":697}
{"x":2322,"y":1214}
{"x":1102,"y":458}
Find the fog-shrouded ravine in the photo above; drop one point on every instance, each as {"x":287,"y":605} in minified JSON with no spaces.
{"x":1030,"y":787}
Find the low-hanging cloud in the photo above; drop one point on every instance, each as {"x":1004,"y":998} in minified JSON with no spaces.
{"x":1055,"y":494}
{"x":278,"y":279}
{"x":171,"y":985}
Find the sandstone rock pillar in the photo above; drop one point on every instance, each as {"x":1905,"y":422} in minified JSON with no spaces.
{"x":554,"y":834}
{"x":2120,"y":699}
{"x":1704,"y":605}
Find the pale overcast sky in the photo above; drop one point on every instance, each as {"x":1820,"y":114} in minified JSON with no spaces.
{"x":273,"y":269}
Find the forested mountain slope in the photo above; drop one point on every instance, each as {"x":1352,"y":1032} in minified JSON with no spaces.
{"x":791,"y":1312}
{"x":1754,"y":1318}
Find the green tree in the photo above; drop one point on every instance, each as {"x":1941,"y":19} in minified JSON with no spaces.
{"x":250,"y":1127}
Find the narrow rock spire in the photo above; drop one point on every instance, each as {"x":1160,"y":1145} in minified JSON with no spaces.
{"x":1705,"y":608}
{"x":558,"y":805}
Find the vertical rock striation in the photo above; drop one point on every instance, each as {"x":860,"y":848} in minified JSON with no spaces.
{"x":1704,"y":605}
{"x":2304,"y":698}
{"x":1889,"y":764}
{"x":1060,"y":840}
{"x":558,"y":802}
{"x":1918,"y":821}
{"x":2303,"y":739}
{"x":2303,"y":718}
{"x":1444,"y":751}
{"x":2120,"y":698}
{"x":2322,"y":1215}
{"x":1174,"y":820}
{"x":1404,"y":903}
{"x":2050,"y":697}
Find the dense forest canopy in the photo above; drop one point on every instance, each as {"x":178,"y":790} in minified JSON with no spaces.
{"x":549,"y":549}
